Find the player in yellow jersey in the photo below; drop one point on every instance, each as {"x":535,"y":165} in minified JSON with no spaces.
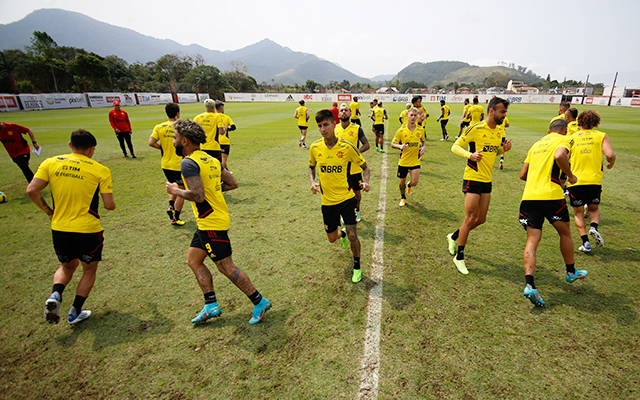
{"x":226,"y":125}
{"x":210,"y":122}
{"x":416,"y":102}
{"x":444,"y":119}
{"x":354,"y":107}
{"x":378,"y":116}
{"x":332,"y":158}
{"x":571,"y":116}
{"x":75,"y":181}
{"x":476,"y":112}
{"x":543,"y":198}
{"x":589,"y":145}
{"x":205,"y":179}
{"x":466,"y":118}
{"x":353,"y":134}
{"x":302,"y":115}
{"x":562,"y":109}
{"x":504,"y":125}
{"x":409,"y":139}
{"x":485,"y":144}
{"x":162,"y":139}
{"x":403,"y":115}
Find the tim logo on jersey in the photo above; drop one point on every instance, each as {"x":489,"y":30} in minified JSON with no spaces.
{"x":331,"y":169}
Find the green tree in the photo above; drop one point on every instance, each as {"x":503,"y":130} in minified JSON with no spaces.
{"x":311,"y":85}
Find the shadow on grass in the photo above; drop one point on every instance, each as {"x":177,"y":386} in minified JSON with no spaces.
{"x":115,"y":327}
{"x":430,"y":214}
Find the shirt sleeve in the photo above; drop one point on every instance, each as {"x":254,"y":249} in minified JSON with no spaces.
{"x":396,"y":137}
{"x":189,"y":168}
{"x":312,"y":158}
{"x":43,"y":172}
{"x":106,"y":183}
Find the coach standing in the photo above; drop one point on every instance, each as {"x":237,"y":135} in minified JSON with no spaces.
{"x":17,"y":147}
{"x":120,"y":122}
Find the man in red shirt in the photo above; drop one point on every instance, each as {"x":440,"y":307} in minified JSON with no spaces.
{"x":120,"y":122}
{"x":17,"y":147}
{"x":335,"y":112}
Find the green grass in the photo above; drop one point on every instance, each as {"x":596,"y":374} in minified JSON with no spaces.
{"x":444,"y":335}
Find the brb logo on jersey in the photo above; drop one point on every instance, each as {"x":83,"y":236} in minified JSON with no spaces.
{"x":331,"y":169}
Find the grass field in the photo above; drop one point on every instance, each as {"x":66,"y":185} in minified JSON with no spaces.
{"x":443,"y":335}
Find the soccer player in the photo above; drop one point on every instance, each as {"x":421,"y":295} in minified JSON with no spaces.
{"x":485,"y":143}
{"x":476,"y":112}
{"x":444,"y":119}
{"x":119,"y":120}
{"x":571,"y":116}
{"x":504,"y":125}
{"x":210,"y":122}
{"x":302,"y":115}
{"x":75,"y":180}
{"x":562,"y":109}
{"x":17,"y":147}
{"x":466,"y":118}
{"x":416,"y":102}
{"x":162,"y":139}
{"x":403,"y":115}
{"x":355,"y":111}
{"x":333,"y":156}
{"x":227,"y":125}
{"x":205,"y":179}
{"x":409,"y":139}
{"x":543,"y":197}
{"x":589,"y":145}
{"x":353,"y":134}
{"x":334,"y":110}
{"x":378,"y":115}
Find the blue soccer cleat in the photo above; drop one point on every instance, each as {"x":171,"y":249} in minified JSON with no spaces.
{"x":209,"y":311}
{"x":75,"y":318}
{"x":259,"y":311}
{"x":579,"y":274}
{"x":52,"y":308}
{"x":533,"y":296}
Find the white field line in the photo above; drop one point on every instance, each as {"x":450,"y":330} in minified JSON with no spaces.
{"x":370,"y":366}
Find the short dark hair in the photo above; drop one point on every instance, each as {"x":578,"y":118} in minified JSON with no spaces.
{"x":172,"y":109}
{"x":497,"y":100}
{"x":219,"y":104}
{"x":574,"y":112}
{"x":379,"y":103}
{"x":565,"y":105}
{"x":442,"y":101}
{"x":324,"y":115}
{"x":466,"y":100}
{"x":82,"y":139}
{"x":558,"y":125}
{"x":355,"y":98}
{"x":414,"y":99}
{"x":589,"y":119}
{"x":475,"y":100}
{"x":191,"y":130}
{"x":301,"y":102}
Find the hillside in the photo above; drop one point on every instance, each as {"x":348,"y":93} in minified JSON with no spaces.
{"x":443,"y":72}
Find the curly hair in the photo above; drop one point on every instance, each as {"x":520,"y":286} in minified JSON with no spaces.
{"x":589,"y":119}
{"x":191,"y":130}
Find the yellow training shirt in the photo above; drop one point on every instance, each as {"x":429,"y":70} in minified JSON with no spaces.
{"x":426,"y":114}
{"x":586,"y":157}
{"x":409,"y":157}
{"x":75,"y":181}
{"x":302,"y":116}
{"x":352,"y":135}
{"x":543,"y":176}
{"x":225,"y":122}
{"x":480,"y":136}
{"x":572,"y":128}
{"x":447,"y":112}
{"x":163,"y":133}
{"x":403,"y":117}
{"x":378,"y":115}
{"x":476,"y":112}
{"x":467,"y":117}
{"x":354,"y":107}
{"x":210,"y":122}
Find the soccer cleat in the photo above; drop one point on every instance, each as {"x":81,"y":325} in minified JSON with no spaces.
{"x":209,"y":311}
{"x":75,"y":318}
{"x":304,"y":145}
{"x":357,"y":276}
{"x":453,"y":244}
{"x":533,"y":296}
{"x":133,"y":156}
{"x":579,"y":274}
{"x":52,"y":308}
{"x":593,"y":232}
{"x":125,"y":155}
{"x":461,"y":265}
{"x":446,"y":137}
{"x":171,"y":213}
{"x":343,"y":239}
{"x":259,"y":311}
{"x":585,"y":248}
{"x":402,"y":202}
{"x":178,"y":222}
{"x":442,"y":140}
{"x":501,"y":164}
{"x":586,"y":211}
{"x":299,"y":144}
{"x":381,"y":150}
{"x":409,"y":189}
{"x":358,"y":218}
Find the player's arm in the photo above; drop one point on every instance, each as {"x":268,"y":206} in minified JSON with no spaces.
{"x":423,"y":148}
{"x":458,"y":150}
{"x":366,"y":174}
{"x":562,"y":159}
{"x":126,"y":118}
{"x":363,"y":139}
{"x":195,"y":192}
{"x":112,"y":121}
{"x":228,"y":182}
{"x":524,"y":171}
{"x":34,"y":192}
{"x":400,"y":119}
{"x":315,"y":186}
{"x":608,"y":152}
{"x":441,"y":115}
{"x":295,"y":114}
{"x":107,"y":200}
{"x":506,"y":146}
{"x":385,"y":115}
{"x":482,"y":116}
{"x":153,"y":142}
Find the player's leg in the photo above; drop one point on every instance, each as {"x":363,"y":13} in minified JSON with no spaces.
{"x":195,"y":259}
{"x":348,"y":213}
{"x":303,"y":137}
{"x":225,"y":156}
{"x":566,"y":242}
{"x":127,"y":138}
{"x":76,"y":313}
{"x":415,"y":176}
{"x":23,"y":163}
{"x":402,"y":175}
{"x":533,"y":239}
{"x":331,"y":219}
{"x":120,"y":137}
{"x":578,"y":218}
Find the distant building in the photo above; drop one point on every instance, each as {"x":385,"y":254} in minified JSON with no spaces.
{"x":385,"y":89}
{"x":495,"y":90}
{"x":578,"y":90}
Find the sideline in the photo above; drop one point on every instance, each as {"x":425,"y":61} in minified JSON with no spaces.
{"x":370,"y":366}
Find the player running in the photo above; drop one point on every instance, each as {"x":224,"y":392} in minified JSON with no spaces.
{"x":333,"y":157}
{"x":466,"y":118}
{"x":302,"y":115}
{"x":225,"y":126}
{"x":416,"y":102}
{"x":403,"y":115}
{"x":210,"y":122}
{"x":504,"y":125}
{"x":378,"y":116}
{"x":410,"y":140}
{"x":485,"y":143}
{"x":444,"y":119}
{"x":354,"y":107}
{"x":205,"y":179}
{"x":476,"y":112}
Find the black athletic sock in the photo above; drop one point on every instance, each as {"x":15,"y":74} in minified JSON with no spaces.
{"x":408,"y":185}
{"x":58,"y":287}
{"x":356,"y":262}
{"x":570,"y":268}
{"x":529,"y":279}
{"x":455,"y":235}
{"x":255,"y":298}
{"x":404,"y":196}
{"x":210,"y":298}
{"x":585,"y":238}
{"x":172,"y":203}
{"x":177,"y":213}
{"x":78,"y":302}
{"x":460,"y":255}
{"x":594,"y":225}
{"x":343,"y":234}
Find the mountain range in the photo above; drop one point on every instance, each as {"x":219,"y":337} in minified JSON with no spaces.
{"x":266,"y":60}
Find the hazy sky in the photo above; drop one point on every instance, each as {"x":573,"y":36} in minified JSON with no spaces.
{"x":369,"y":38}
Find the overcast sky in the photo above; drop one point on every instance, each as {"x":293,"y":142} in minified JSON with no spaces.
{"x":564,"y":39}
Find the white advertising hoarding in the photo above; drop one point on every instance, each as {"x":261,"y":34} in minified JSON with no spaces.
{"x":47,"y":101}
{"x":153,"y":98}
{"x":107,"y":99}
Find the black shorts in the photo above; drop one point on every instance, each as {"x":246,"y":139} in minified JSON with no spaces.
{"x":356,"y":121}
{"x":444,"y":122}
{"x":379,"y":129}
{"x":215,"y":154}
{"x":403,"y":171}
{"x":331,"y":214}
{"x":225,"y":148}
{"x":354,"y":181}
{"x":464,"y":124}
{"x":584,"y":194}
{"x":475,"y":187}
{"x":173,"y":176}
{"x":215,"y":243}
{"x":303,"y":128}
{"x":533,"y":212}
{"x":69,"y":246}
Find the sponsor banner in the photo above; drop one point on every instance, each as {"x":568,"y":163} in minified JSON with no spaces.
{"x":8,"y":102}
{"x":634,"y":102}
{"x":107,"y":99}
{"x":187,"y":98}
{"x":153,"y":98}
{"x":203,"y":97}
{"x":47,"y":101}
